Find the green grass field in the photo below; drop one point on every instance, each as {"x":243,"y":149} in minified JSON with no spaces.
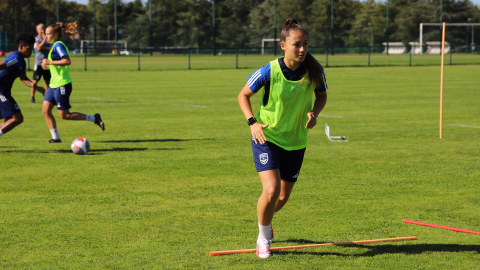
{"x":172,"y":177}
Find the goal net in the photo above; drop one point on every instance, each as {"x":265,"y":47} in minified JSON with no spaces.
{"x":264,"y":40}
{"x":103,"y":46}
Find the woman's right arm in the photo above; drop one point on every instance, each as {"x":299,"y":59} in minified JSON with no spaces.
{"x":246,"y":106}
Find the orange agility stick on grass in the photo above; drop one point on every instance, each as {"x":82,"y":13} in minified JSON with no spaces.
{"x":439,"y":226}
{"x":215,"y":253}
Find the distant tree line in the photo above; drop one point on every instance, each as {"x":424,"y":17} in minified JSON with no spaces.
{"x":240,"y":23}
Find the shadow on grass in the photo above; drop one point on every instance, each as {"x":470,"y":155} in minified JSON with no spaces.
{"x":382,"y":249}
{"x":91,"y":152}
{"x":154,"y":140}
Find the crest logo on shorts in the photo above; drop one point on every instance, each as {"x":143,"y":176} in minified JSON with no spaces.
{"x":16,"y":106}
{"x":263,"y":158}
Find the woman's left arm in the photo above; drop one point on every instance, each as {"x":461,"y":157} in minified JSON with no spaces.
{"x":64,"y":62}
{"x":320,"y":101}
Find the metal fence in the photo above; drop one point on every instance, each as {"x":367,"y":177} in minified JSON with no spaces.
{"x":184,"y":58}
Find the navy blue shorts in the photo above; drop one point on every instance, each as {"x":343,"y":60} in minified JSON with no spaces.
{"x":269,"y":156}
{"x":60,"y":96}
{"x":8,"y":106}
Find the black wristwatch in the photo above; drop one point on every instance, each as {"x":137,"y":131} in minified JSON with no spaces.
{"x":251,"y":121}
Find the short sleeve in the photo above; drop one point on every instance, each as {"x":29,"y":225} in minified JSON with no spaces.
{"x":13,"y":61}
{"x":259,"y":78}
{"x":61,"y":50}
{"x":38,"y":39}
{"x":323,"y":86}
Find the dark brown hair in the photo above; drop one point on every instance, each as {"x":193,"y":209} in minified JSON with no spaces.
{"x":71,"y":28}
{"x":311,"y":65}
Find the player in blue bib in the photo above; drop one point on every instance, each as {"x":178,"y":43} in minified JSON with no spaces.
{"x":11,"y":68}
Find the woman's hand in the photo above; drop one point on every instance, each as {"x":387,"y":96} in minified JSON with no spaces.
{"x":257,"y":132}
{"x":312,"y":120}
{"x":45,"y":63}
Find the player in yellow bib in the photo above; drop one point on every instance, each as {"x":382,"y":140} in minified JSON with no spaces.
{"x":60,"y":87}
{"x":280,"y":128}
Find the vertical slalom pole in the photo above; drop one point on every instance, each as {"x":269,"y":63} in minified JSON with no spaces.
{"x":236,"y":57}
{"x":441,"y":80}
{"x":189,"y":58}
{"x":85,"y":55}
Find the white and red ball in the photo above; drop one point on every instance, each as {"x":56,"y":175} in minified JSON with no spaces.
{"x":80,"y":146}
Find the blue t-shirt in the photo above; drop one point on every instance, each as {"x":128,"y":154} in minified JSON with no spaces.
{"x":261,"y":78}
{"x":58,"y":52}
{"x":16,"y":66}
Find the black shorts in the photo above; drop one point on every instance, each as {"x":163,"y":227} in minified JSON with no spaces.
{"x":38,"y":72}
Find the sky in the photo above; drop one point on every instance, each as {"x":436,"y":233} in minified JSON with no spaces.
{"x":84,"y":2}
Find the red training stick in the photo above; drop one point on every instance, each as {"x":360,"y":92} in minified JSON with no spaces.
{"x":215,"y":253}
{"x":439,"y":226}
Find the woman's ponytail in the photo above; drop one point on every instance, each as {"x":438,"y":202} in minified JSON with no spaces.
{"x":70,"y":29}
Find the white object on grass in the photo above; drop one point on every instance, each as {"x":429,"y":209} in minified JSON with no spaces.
{"x":331,"y":138}
{"x":80,"y":146}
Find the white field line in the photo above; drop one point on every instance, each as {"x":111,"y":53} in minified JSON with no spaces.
{"x":190,"y":105}
{"x":467,"y":126}
{"x":104,"y":99}
{"x":330,"y":116}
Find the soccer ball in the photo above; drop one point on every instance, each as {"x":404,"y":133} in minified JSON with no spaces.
{"x":80,"y":146}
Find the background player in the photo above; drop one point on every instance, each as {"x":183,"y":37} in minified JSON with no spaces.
{"x":11,"y":68}
{"x":41,"y":52}
{"x":285,"y":116}
{"x":61,"y":84}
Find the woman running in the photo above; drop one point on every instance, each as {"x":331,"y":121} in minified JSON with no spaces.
{"x":280,"y":128}
{"x":60,"y":88}
{"x":10,"y":69}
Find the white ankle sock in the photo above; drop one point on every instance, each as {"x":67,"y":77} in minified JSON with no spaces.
{"x":90,"y":118}
{"x":1,"y":133}
{"x":264,"y":231}
{"x":54,"y":133}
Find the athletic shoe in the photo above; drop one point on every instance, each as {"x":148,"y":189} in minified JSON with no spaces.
{"x":99,"y":121}
{"x":54,"y":141}
{"x":263,"y":248}
{"x":33,"y":100}
{"x":271,"y":233}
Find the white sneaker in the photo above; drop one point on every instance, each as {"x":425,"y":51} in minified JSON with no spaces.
{"x":263,"y":248}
